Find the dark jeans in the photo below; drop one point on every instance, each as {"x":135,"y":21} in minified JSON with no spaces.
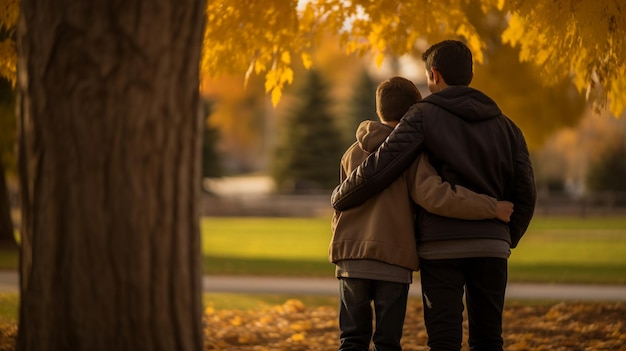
{"x":355,"y":314}
{"x":443,"y":283}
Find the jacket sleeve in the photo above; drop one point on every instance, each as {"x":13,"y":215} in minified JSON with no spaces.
{"x":524,"y":193}
{"x":381,"y":168}
{"x":438,"y":197}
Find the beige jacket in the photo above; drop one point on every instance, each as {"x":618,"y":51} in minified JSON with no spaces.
{"x":382,"y":228}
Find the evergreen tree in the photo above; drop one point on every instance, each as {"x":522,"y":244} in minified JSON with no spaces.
{"x":362,"y":103}
{"x":211,"y":167}
{"x":308,"y":155}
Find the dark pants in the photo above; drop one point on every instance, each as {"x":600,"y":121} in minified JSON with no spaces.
{"x":355,"y":314}
{"x":483,"y":280}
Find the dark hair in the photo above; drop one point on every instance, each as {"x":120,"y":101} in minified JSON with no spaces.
{"x":452,"y":59}
{"x":394,"y":96}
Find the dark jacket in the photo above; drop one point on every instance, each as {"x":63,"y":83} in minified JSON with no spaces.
{"x":470,"y":143}
{"x":382,"y":228}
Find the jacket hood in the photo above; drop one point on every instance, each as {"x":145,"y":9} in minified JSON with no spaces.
{"x":465,"y":102}
{"x":370,"y":134}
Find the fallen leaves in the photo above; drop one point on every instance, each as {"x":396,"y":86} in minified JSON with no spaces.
{"x":290,"y":326}
{"x":566,"y":327}
{"x":293,"y":326}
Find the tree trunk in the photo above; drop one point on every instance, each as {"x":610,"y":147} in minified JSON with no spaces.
{"x":7,"y":240}
{"x":109,"y":162}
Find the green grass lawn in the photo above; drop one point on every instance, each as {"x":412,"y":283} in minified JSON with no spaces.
{"x":266,"y":246}
{"x":572,"y":250}
{"x":558,"y":250}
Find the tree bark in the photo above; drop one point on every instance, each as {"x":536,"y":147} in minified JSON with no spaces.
{"x":109,"y":162}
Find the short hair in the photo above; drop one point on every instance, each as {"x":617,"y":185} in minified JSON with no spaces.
{"x":394,"y":96}
{"x":452,"y":59}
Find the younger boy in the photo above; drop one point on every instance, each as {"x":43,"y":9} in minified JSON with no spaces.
{"x":373,"y":245}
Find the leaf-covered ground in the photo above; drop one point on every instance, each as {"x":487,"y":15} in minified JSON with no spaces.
{"x":292,"y":326}
{"x":295,"y":327}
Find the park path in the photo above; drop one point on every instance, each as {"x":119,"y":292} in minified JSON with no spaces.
{"x":328,"y":286}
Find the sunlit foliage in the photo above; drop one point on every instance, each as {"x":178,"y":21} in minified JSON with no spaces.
{"x":540,"y":110}
{"x":582,"y":40}
{"x":253,"y":37}
{"x":9,"y":13}
{"x":263,"y":37}
{"x":398,"y":27}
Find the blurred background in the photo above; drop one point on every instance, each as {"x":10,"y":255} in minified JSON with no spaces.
{"x":265,"y":160}
{"x":283,"y":161}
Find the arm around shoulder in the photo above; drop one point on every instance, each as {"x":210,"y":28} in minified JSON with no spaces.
{"x":384,"y":166}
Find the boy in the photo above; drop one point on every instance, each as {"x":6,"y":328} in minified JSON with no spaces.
{"x":373,"y":245}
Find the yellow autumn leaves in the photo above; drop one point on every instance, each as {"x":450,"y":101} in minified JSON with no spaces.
{"x":255,"y":37}
{"x":289,"y":326}
{"x":567,"y":326}
{"x":295,"y":327}
{"x":292,"y":326}
{"x":584,"y":40}
{"x":9,"y":12}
